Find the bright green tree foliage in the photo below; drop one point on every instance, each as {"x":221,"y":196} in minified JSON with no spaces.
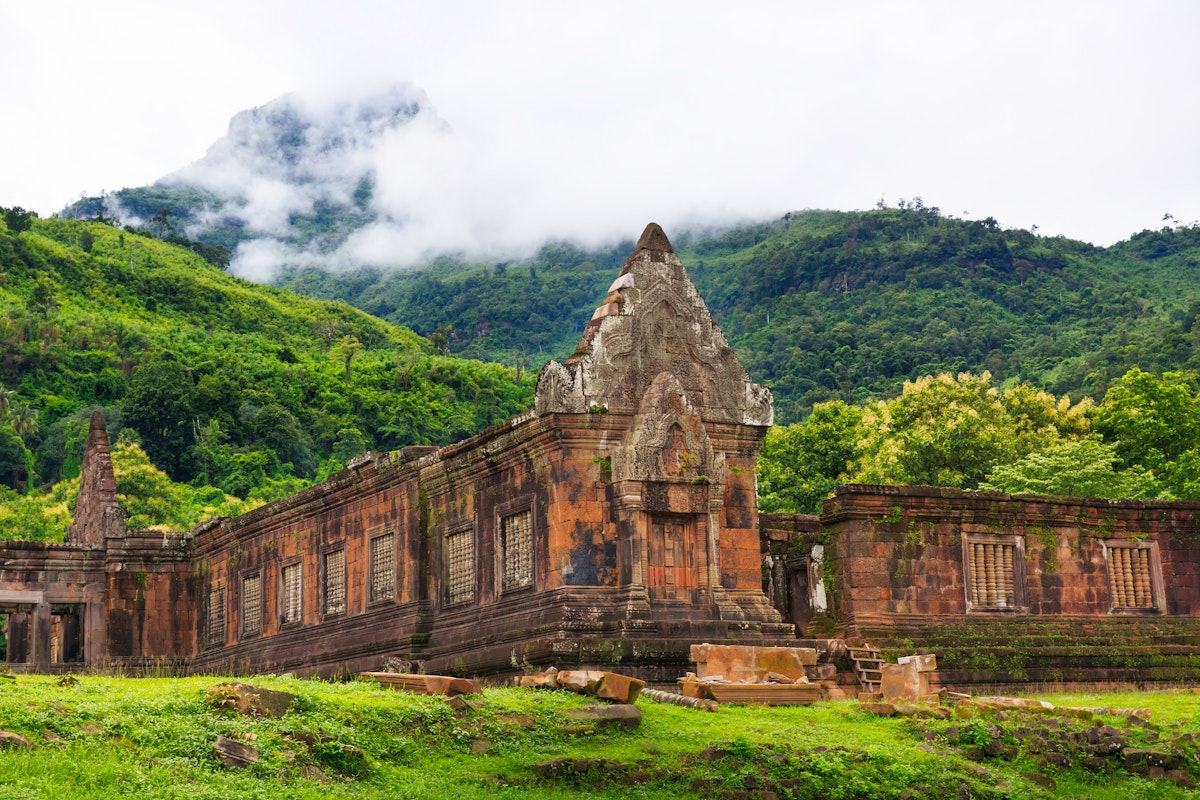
{"x":800,"y":464}
{"x":941,"y":431}
{"x":225,"y":383}
{"x":1076,"y":467}
{"x":1154,"y":421}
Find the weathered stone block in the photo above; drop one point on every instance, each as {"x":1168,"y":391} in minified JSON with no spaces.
{"x":751,"y":663}
{"x":621,"y":715}
{"x":923,"y":663}
{"x":15,"y":741}
{"x":1136,"y":757}
{"x":619,"y":688}
{"x":234,"y":754}
{"x":903,"y":682}
{"x":426,"y":684}
{"x":252,"y":701}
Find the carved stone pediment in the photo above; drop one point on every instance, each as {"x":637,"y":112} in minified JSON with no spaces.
{"x":668,"y":442}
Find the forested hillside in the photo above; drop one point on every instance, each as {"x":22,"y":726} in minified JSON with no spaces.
{"x":222,"y":383}
{"x":217,"y":390}
{"x":826,"y":305}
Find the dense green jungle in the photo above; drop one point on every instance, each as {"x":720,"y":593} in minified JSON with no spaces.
{"x":218,"y":394}
{"x":902,"y":345}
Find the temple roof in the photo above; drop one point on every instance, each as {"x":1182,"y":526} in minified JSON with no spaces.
{"x":653,"y":321}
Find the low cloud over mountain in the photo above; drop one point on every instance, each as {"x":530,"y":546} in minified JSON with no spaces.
{"x":378,"y":180}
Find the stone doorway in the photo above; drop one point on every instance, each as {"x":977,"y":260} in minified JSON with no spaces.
{"x":671,"y":558}
{"x":18,"y":635}
{"x":66,"y":633}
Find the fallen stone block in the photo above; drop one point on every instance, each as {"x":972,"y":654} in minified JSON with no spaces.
{"x":1044,"y":781}
{"x":1181,"y":778}
{"x":255,"y":701}
{"x":582,"y":681}
{"x":542,"y":680}
{"x":603,"y":685}
{"x":750,"y":663}
{"x":1137,"y":757}
{"x":903,"y":682}
{"x":821,"y":672}
{"x":767,"y":694}
{"x":1108,"y":746}
{"x":16,"y":741}
{"x":234,"y":754}
{"x":619,"y":688}
{"x":879,"y":709}
{"x":1012,"y":702}
{"x":457,"y":703}
{"x":620,"y":715}
{"x":426,"y":684}
{"x":1056,"y":760}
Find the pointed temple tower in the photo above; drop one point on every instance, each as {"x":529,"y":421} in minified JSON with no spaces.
{"x":684,"y":426}
{"x":97,"y":515}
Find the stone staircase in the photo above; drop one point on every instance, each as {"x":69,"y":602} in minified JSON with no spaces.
{"x":983,"y":655}
{"x":868,"y":666}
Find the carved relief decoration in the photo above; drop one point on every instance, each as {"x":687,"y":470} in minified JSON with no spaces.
{"x":653,"y":321}
{"x":558,"y":391}
{"x":668,"y":442}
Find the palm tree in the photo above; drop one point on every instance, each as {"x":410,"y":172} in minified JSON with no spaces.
{"x":24,"y":420}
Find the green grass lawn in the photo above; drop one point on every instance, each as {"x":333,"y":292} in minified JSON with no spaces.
{"x":107,"y":737}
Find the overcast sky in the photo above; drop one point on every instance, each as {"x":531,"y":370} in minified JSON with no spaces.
{"x":588,"y":120}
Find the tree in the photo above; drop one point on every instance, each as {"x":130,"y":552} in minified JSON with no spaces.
{"x":274,"y":427}
{"x":801,"y":463}
{"x":162,"y":222}
{"x":345,"y":351}
{"x":14,"y":460}
{"x":1075,"y":467}
{"x":18,"y":219}
{"x":441,"y":337}
{"x":941,"y":431}
{"x":159,"y":407}
{"x":1152,"y":420}
{"x":41,"y":301}
{"x":24,"y":420}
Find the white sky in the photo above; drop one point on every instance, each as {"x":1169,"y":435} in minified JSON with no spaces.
{"x":588,"y":120}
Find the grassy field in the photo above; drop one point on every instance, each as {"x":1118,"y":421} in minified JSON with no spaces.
{"x":105,"y":737}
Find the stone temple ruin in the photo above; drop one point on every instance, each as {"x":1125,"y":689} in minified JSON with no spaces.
{"x":614,"y":526}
